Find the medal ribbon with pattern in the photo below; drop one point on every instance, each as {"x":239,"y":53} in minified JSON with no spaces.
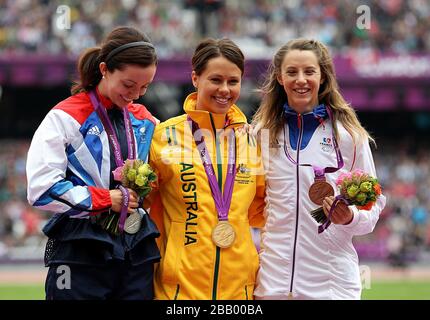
{"x":222,"y":200}
{"x":113,"y":139}
{"x":320,"y":188}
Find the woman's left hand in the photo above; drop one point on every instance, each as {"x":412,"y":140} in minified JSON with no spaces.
{"x":342,"y":214}
{"x":245,"y":129}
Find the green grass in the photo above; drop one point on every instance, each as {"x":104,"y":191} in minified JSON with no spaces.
{"x":22,"y":292}
{"x":398,"y":290}
{"x":380,"y":290}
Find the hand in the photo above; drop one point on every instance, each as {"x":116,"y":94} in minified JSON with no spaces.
{"x":245,"y":129}
{"x":116,"y":199}
{"x":342,"y":214}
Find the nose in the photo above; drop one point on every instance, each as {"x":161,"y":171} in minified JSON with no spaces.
{"x":223,"y":88}
{"x":301,"y":79}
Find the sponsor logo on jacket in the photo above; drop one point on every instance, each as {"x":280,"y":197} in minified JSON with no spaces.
{"x":243,"y":174}
{"x":326,"y":144}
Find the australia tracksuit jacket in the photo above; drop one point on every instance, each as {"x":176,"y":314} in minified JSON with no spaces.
{"x":192,"y":266}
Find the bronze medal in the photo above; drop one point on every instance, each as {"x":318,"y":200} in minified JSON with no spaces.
{"x":223,"y":234}
{"x":319,"y":190}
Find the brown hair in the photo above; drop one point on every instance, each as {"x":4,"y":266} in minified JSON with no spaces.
{"x":268,"y":115}
{"x":212,"y":48}
{"x":89,"y":61}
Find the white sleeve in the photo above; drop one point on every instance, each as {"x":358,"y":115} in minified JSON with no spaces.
{"x":47,"y":187}
{"x":46,"y":158}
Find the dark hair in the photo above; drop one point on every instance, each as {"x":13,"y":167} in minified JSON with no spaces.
{"x":88,"y":64}
{"x":212,"y":48}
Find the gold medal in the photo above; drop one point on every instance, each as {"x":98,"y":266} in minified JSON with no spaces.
{"x":223,"y":234}
{"x":319,"y":190}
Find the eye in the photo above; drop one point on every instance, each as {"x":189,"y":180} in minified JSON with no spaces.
{"x":128,"y":86}
{"x":309,"y":72}
{"x":215,"y":80}
{"x":234,"y":82}
{"x":291,"y":73}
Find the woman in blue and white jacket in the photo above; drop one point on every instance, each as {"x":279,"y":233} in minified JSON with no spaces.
{"x":305,"y":115}
{"x":69,"y":172}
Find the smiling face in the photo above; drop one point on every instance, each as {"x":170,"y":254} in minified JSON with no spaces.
{"x":124,"y":86}
{"x":301,"y":78}
{"x":218,"y":86}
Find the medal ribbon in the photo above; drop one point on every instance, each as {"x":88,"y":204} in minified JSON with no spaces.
{"x":125,"y":202}
{"x":131,"y":143}
{"x":325,"y":225}
{"x":222,"y":201}
{"x":319,"y":171}
{"x":113,"y":139}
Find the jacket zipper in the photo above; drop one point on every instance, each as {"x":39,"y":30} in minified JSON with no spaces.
{"x":218,"y":249}
{"x":176,"y":293}
{"x":299,"y":143}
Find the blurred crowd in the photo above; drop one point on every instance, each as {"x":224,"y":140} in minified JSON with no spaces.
{"x":401,"y":236}
{"x":403,"y":231}
{"x":175,"y":26}
{"x":20,"y":223}
{"x":259,"y":27}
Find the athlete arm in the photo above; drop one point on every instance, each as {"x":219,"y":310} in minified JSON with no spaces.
{"x":48,"y":188}
{"x":364,"y":221}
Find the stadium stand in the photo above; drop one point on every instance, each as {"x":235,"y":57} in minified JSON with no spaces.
{"x":28,"y":29}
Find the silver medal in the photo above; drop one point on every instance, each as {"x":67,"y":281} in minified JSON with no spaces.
{"x":133,"y":222}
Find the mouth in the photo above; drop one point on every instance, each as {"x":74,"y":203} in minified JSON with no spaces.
{"x":302,"y":91}
{"x":126,"y":100}
{"x":222,"y":100}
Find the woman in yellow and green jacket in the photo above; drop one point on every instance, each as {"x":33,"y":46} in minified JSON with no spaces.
{"x":211,"y":193}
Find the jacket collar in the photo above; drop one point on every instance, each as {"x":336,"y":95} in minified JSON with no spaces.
{"x":106,"y":102}
{"x":233,"y":118}
{"x":319,"y":112}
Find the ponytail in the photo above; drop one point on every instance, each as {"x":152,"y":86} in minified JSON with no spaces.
{"x":89,"y":72}
{"x":123,"y":46}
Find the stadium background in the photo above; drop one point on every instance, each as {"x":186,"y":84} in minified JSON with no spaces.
{"x":383,"y":70}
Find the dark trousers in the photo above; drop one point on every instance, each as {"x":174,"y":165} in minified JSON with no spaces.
{"x":117,"y":280}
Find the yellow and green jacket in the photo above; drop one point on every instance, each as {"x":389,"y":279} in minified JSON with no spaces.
{"x":192,"y":266}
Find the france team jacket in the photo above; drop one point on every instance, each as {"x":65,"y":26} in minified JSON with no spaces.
{"x":296,"y":261}
{"x":69,"y":166}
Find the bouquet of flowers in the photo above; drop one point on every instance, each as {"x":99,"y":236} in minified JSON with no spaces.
{"x":136,"y":175}
{"x":356,"y":188}
{"x":359,"y":189}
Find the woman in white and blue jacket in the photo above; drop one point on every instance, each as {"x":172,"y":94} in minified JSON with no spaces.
{"x":306,"y":118}
{"x":69,"y":173}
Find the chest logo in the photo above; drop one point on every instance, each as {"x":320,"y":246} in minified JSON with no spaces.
{"x":326,"y":144}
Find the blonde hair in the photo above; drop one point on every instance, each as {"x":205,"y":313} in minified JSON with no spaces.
{"x":269,"y":114}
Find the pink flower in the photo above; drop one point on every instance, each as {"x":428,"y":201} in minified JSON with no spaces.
{"x":117,"y":174}
{"x":358,"y":172}
{"x":342,"y":177}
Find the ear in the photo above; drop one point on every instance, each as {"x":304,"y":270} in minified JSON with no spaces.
{"x":194,"y":79}
{"x":103,"y":68}
{"x":322,"y":80}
